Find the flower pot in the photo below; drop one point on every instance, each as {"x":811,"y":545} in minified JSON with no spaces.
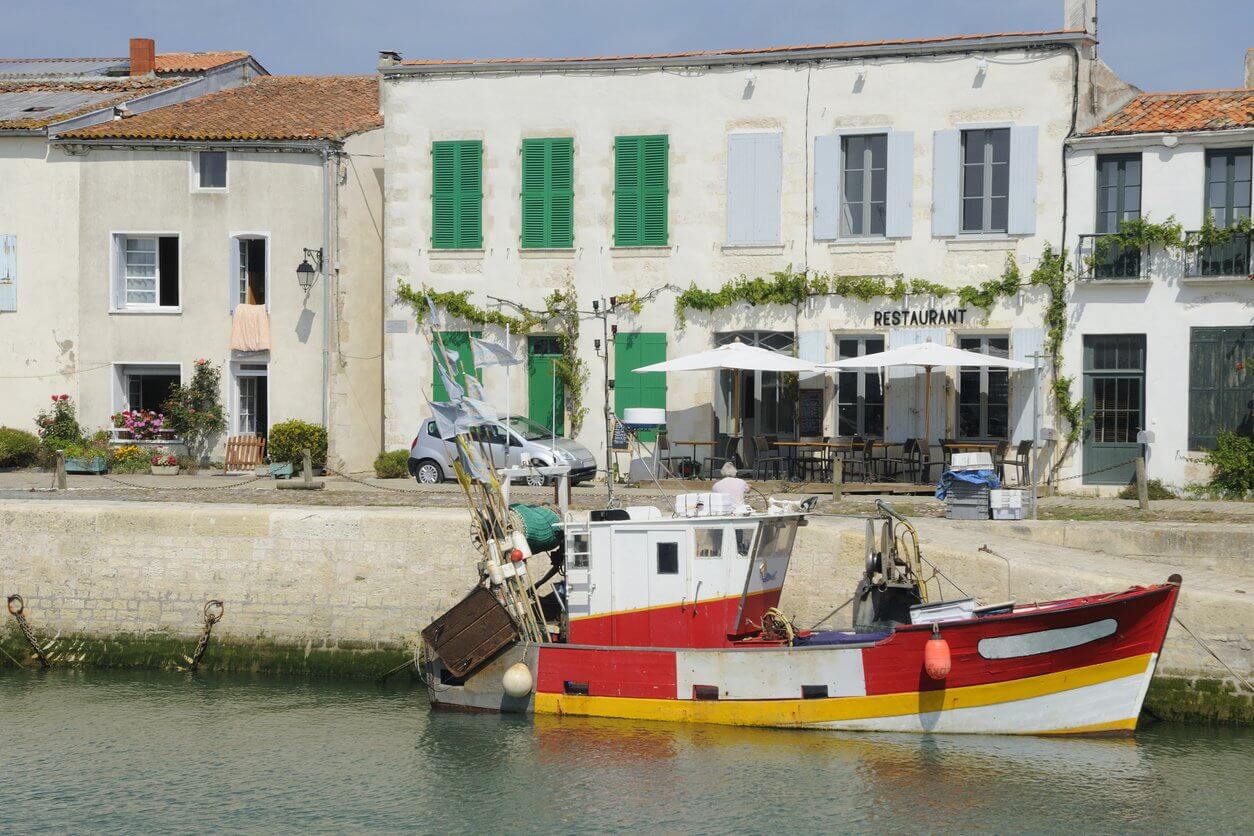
{"x":96,"y":464}
{"x":164,"y":470}
{"x":281,"y":470}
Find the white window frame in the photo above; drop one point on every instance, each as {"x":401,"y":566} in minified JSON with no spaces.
{"x":983,"y":337}
{"x":962,"y":128}
{"x":238,"y":371}
{"x":194,"y":168}
{"x":233,"y":265}
{"x":117,"y":269}
{"x":119,"y":380}
{"x":867,"y":189}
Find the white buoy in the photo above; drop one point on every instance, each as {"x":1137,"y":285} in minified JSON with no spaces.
{"x":517,"y":680}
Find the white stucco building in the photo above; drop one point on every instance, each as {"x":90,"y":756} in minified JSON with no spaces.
{"x":1161,"y":339}
{"x":933,"y":159}
{"x":154,"y":232}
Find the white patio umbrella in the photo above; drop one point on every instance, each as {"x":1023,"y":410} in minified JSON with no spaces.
{"x":735,"y":356}
{"x":928,"y":355}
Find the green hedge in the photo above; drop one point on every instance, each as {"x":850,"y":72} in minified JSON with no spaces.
{"x":394,"y":464}
{"x":288,"y":439}
{"x":18,"y":448}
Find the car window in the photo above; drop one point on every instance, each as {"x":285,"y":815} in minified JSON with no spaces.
{"x":528,"y":429}
{"x":433,"y":429}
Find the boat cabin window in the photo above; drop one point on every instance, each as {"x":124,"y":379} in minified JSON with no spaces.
{"x":578,"y":551}
{"x":708,"y":542}
{"x":668,"y":558}
{"x":777,"y":537}
{"x":744,"y":539}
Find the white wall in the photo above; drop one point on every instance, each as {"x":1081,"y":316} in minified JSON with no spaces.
{"x":698,"y":108}
{"x":1164,"y":307}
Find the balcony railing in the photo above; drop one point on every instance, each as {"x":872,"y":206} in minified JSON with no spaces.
{"x":1101,"y":257}
{"x":1231,"y":258}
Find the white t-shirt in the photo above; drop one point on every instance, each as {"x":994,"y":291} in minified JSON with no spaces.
{"x":734,"y":488}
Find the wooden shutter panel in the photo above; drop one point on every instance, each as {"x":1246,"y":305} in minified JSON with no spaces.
{"x":1024,"y":342}
{"x":443,"y":195}
{"x":535,"y":186}
{"x":827,"y":187}
{"x":469,"y":195}
{"x":654,"y":183}
{"x":8,"y":272}
{"x":768,"y":171}
{"x":561,"y":192}
{"x":627,"y":191}
{"x":740,"y":188}
{"x":899,"y":221}
{"x":1021,"y":211}
{"x":946,"y":181}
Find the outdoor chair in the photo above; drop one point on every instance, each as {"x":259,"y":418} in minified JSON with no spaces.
{"x":725,"y":450}
{"x":999,"y":458}
{"x":922,"y":463}
{"x":947,"y":453}
{"x":764,"y":459}
{"x":896,"y":467}
{"x":815,"y":465}
{"x":862,"y":463}
{"x":1021,"y":462}
{"x":665,"y":456}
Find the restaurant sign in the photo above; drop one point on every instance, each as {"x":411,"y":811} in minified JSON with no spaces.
{"x":931,"y":316}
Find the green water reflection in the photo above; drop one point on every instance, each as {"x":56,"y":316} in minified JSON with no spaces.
{"x":145,"y":752}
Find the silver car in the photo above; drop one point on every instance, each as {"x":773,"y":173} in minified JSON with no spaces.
{"x":525,"y":442}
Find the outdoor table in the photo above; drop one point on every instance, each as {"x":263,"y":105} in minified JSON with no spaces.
{"x":695,"y":444}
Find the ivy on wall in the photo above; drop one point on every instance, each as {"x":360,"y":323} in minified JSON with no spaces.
{"x":1139,"y":234}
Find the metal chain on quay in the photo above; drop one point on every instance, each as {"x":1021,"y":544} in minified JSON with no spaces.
{"x":247,"y":481}
{"x":213,"y":612}
{"x":355,"y":480}
{"x":19,"y":614}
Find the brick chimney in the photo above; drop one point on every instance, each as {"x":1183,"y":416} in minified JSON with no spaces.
{"x":143,"y":56}
{"x":1080,"y":14}
{"x":1249,"y":68}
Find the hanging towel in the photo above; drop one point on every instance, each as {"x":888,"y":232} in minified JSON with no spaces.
{"x":250,"y":328}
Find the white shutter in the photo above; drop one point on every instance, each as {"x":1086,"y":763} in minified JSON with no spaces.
{"x":1021,"y":212}
{"x":827,"y":187}
{"x":753,"y":188}
{"x":769,"y":172}
{"x":739,"y":188}
{"x":119,"y":272}
{"x":232,"y":263}
{"x":904,"y":393}
{"x":946,"y":181}
{"x":1025,"y":342}
{"x":812,"y":347}
{"x":900,"y":185}
{"x":8,"y":272}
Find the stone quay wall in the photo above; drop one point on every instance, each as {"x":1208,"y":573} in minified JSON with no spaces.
{"x":345,"y":591}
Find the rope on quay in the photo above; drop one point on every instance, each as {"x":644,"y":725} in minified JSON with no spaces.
{"x":1206,"y":647}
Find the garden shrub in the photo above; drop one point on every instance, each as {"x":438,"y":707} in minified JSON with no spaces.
{"x":129,"y":458}
{"x":1154,"y":487}
{"x":194,"y":412}
{"x":1232,"y":463}
{"x":18,"y":448}
{"x":394,"y":464}
{"x":289,"y":438}
{"x":58,"y":426}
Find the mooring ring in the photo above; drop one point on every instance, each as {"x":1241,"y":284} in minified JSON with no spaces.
{"x":210,"y":617}
{"x":21,"y":605}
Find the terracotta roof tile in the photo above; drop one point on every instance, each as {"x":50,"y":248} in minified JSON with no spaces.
{"x":1193,"y":110}
{"x":191,"y":62}
{"x":58,"y":100}
{"x":782,"y":51}
{"x":267,"y":108}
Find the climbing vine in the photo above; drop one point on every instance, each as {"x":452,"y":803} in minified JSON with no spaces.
{"x":1139,"y":234}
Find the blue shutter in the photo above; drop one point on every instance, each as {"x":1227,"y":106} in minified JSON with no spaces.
{"x":740,"y":188}
{"x":1021,"y":214}
{"x":768,"y":166}
{"x":812,"y":347}
{"x":827,"y":187}
{"x":1025,"y":342}
{"x":946,"y":181}
{"x":899,"y":222}
{"x":8,"y":272}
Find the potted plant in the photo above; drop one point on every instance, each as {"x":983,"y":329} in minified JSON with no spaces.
{"x":139,"y":424}
{"x":286,"y":443}
{"x":164,"y":463}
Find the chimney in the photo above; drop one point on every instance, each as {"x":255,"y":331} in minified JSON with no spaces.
{"x":1249,"y":68}
{"x":389,"y":58}
{"x":143,"y":56}
{"x":1080,"y":14}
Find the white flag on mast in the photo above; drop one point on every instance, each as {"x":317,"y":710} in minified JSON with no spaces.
{"x":488,"y":353}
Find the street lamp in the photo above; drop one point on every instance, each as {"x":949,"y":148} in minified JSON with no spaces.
{"x":307,"y":273}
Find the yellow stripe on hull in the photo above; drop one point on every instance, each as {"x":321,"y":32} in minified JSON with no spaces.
{"x":817,"y":712}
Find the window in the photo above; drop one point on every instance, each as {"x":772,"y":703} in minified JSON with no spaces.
{"x":985,"y":180}
{"x":768,"y":400}
{"x":249,"y":271}
{"x":1228,"y":185}
{"x":668,"y":558}
{"x":457,"y":195}
{"x":753,"y":188}
{"x":984,"y":393}
{"x":8,"y":272}
{"x":145,"y":386}
{"x":640,"y":191}
{"x":1118,"y":190}
{"x":859,"y":395}
{"x":146,"y":272}
{"x":1114,"y":401}
{"x":252,"y":399}
{"x":707,"y":542}
{"x":863,"y":185}
{"x":209,"y":169}
{"x":548,"y":193}
{"x":744,"y":539}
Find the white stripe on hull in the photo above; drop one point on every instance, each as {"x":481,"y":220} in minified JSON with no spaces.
{"x":1078,"y":708}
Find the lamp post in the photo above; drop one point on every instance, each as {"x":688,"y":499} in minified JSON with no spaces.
{"x":307,"y":273}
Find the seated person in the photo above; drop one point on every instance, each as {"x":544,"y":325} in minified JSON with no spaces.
{"x":731,"y":486}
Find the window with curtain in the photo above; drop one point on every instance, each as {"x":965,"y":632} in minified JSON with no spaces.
{"x":984,"y":393}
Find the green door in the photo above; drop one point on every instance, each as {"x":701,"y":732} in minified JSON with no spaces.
{"x":1221,"y":384}
{"x":1114,"y":404}
{"x":546,"y":400}
{"x":631,"y":351}
{"x":459,"y":342}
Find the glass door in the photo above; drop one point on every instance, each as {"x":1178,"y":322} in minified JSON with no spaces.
{"x":768,"y":400}
{"x":1114,"y":398}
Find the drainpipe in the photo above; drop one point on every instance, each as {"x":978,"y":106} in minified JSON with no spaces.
{"x":327,"y":263}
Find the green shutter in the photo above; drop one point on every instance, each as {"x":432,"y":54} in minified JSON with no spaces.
{"x":457,"y":195}
{"x":631,"y":351}
{"x":548,"y":193}
{"x":458,"y":341}
{"x":640,"y":191}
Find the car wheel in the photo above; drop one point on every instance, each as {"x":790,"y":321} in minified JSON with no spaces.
{"x":535,"y":480}
{"x":428,"y":473}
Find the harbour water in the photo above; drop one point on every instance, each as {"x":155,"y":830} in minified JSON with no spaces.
{"x":165,"y":752}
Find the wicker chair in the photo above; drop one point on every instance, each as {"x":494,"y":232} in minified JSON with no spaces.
{"x":725,"y":450}
{"x":1022,"y":462}
{"x":763,"y":458}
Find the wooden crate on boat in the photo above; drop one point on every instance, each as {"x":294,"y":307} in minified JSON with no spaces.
{"x":471,"y":632}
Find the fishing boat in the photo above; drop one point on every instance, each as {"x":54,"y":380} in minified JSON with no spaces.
{"x":674,"y":616}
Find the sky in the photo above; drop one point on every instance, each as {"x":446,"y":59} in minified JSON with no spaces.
{"x":1154,"y":44}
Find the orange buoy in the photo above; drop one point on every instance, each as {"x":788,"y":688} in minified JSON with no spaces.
{"x":516,"y":555}
{"x":936,"y":659}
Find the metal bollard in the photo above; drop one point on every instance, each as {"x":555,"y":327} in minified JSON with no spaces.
{"x":1142,"y":486}
{"x":60,"y":471}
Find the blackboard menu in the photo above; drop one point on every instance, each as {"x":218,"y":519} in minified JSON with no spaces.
{"x":810,"y":413}
{"x":620,"y":440}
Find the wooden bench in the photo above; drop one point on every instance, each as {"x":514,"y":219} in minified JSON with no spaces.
{"x":244,"y":453}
